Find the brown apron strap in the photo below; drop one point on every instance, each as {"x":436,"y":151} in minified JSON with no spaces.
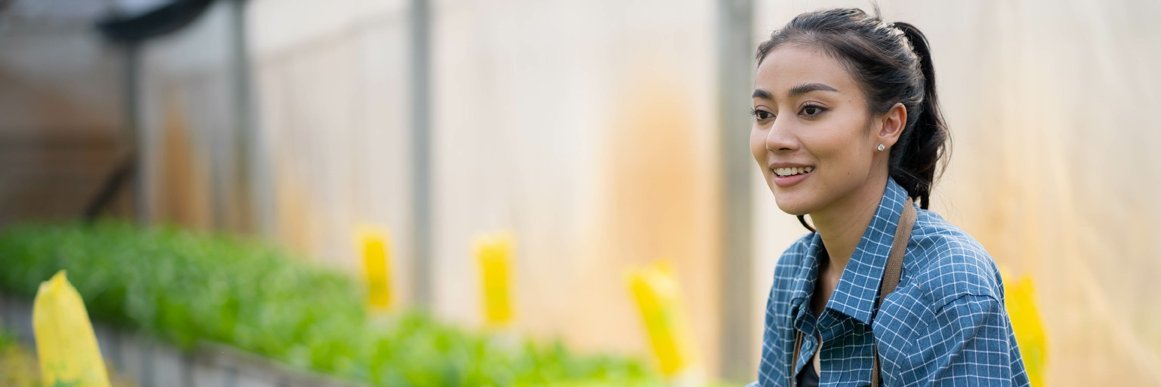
{"x":892,"y":272}
{"x":794,"y":359}
{"x":894,"y":269}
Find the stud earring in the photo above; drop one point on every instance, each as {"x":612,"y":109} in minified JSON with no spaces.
{"x":881,"y":147}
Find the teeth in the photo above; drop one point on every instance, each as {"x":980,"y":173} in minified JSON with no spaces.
{"x":783,"y":172}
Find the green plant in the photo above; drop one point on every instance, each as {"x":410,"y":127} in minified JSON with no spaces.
{"x":6,"y":338}
{"x":187,"y":287}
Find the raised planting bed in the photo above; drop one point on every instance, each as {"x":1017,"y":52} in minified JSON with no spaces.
{"x":19,"y":366}
{"x":150,"y":362}
{"x":172,"y":306}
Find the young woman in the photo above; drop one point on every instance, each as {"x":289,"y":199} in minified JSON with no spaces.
{"x":847,"y":129}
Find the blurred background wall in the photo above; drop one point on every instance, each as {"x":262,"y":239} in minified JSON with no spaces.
{"x":60,"y":113}
{"x":592,"y":130}
{"x":585,"y":128}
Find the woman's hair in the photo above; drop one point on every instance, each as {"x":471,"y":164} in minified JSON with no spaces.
{"x":892,"y":63}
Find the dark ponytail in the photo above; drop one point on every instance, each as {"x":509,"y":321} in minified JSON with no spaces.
{"x":893,"y":65}
{"x":915,"y":159}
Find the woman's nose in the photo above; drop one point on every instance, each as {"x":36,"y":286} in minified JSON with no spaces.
{"x":779,"y":137}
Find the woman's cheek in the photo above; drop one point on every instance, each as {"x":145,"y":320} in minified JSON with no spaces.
{"x":757,"y":148}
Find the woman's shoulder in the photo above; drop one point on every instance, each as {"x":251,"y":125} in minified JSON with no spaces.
{"x":948,"y":263}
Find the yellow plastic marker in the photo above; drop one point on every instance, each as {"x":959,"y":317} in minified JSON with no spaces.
{"x":1020,"y":300}
{"x":65,"y":344}
{"x":657,"y":297}
{"x":376,"y":250}
{"x":494,"y":253}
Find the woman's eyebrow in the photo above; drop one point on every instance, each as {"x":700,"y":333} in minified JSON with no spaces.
{"x":809,"y":87}
{"x":796,"y":91}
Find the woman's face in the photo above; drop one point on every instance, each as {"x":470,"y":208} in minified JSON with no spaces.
{"x":813,"y":137}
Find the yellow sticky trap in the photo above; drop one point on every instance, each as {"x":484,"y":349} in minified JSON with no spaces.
{"x":494,"y":253}
{"x":376,"y":249}
{"x":1020,"y":301}
{"x":656,"y":293}
{"x":65,"y":343}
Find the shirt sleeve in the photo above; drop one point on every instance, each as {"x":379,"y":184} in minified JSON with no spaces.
{"x":970,"y":340}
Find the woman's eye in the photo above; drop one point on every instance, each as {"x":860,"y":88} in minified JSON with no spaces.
{"x":812,"y":110}
{"x":761,"y":115}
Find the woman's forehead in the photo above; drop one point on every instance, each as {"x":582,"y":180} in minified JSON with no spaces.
{"x":790,"y":66}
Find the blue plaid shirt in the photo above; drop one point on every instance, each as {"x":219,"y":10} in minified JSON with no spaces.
{"x":945,"y":323}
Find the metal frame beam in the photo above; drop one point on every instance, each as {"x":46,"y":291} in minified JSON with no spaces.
{"x":734,"y":78}
{"x":421,"y":185}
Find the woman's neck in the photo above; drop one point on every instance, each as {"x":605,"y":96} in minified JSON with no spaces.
{"x":842,"y":224}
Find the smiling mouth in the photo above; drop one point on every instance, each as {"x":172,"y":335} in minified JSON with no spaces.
{"x":786,"y":172}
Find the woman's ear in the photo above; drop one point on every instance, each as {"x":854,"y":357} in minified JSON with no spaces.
{"x":893,"y":123}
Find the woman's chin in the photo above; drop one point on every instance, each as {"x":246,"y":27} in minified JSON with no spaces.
{"x":792,"y":207}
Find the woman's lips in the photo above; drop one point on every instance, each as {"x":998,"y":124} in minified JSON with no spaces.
{"x":788,"y":176}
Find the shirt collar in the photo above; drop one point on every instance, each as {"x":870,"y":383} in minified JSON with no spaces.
{"x":859,"y":285}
